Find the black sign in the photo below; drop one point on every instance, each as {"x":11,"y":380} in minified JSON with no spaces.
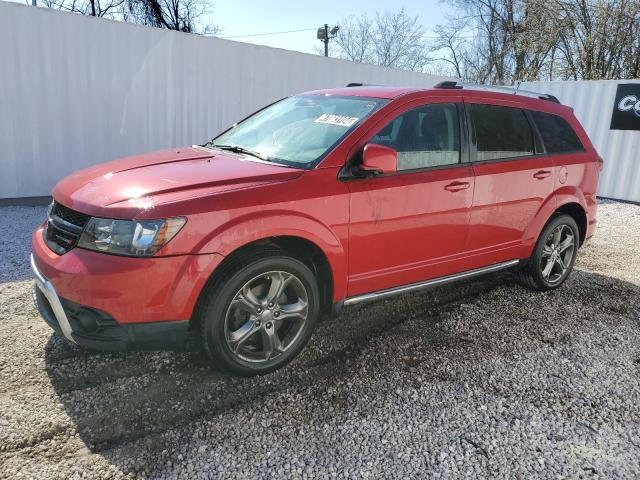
{"x":626,"y":110}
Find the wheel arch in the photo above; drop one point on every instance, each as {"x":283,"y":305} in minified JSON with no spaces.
{"x":262,"y":227}
{"x":296,"y":246}
{"x":299,"y":248}
{"x":569,"y":200}
{"x":578,"y":213}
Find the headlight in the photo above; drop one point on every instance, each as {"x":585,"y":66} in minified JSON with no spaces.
{"x":128,"y":237}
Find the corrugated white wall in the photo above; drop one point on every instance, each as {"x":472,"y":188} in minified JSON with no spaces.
{"x":76,"y":91}
{"x":593,"y":103}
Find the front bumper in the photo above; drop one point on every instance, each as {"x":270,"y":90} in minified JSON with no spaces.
{"x":108,"y":302}
{"x":91,"y":328}
{"x":50,"y":306}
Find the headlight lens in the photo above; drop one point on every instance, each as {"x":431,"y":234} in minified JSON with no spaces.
{"x":128,"y":237}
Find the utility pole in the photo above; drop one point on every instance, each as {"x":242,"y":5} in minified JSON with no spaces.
{"x":324,"y":35}
{"x":326,"y":40}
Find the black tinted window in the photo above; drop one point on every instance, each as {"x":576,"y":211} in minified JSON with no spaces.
{"x":427,"y":136}
{"x":501,"y":132}
{"x":557,"y":134}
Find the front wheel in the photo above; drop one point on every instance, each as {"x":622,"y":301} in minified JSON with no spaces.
{"x":554,"y":255}
{"x":260,"y":315}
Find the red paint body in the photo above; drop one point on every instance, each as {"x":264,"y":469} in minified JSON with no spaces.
{"x":376,"y":233}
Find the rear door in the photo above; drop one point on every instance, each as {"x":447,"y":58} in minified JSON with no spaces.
{"x":513,"y":179}
{"x":577,"y":167}
{"x":411,"y":225}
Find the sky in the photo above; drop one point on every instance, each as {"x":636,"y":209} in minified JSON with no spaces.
{"x":247,"y":17}
{"x":239,"y":18}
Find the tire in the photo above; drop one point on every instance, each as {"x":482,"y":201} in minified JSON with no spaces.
{"x":249,"y":326}
{"x":536,"y":273}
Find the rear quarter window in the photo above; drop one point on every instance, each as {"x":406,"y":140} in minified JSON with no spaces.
{"x":557,"y":135}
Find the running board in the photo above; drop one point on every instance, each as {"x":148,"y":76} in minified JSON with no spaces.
{"x":369,"y":297}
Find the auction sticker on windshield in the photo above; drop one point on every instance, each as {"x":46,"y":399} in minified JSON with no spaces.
{"x":336,"y":120}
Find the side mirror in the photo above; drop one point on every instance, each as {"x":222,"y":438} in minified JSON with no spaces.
{"x":379,"y":159}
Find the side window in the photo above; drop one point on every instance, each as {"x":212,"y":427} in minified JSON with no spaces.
{"x":501,"y":132}
{"x":556,"y":133}
{"x":427,"y":136}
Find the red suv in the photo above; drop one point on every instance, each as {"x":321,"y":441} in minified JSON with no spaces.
{"x":318,"y":201}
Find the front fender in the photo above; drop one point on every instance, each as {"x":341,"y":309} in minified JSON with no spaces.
{"x":249,"y":228}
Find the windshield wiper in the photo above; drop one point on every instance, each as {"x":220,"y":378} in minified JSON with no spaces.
{"x":239,"y":149}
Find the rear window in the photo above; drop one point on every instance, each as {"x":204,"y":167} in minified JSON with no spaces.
{"x":501,"y":132}
{"x":556,"y":133}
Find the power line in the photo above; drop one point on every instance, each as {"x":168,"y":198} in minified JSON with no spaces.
{"x":271,"y":33}
{"x":424,"y":36}
{"x":427,"y":37}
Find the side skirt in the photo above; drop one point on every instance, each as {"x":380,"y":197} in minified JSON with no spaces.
{"x":434,"y":282}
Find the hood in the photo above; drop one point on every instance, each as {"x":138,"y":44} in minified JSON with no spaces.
{"x":122,"y":188}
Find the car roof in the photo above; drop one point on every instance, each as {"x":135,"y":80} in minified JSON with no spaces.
{"x":502,"y":94}
{"x":371,"y":91}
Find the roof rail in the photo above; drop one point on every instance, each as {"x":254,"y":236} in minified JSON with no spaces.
{"x":448,"y":84}
{"x":358,"y":84}
{"x":496,"y":88}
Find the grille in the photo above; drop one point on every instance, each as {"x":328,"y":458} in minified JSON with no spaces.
{"x":68,"y":215}
{"x":64,"y":228}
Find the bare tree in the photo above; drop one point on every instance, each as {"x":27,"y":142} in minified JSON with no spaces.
{"x":181,"y":15}
{"x":355,"y":39}
{"x":512,"y":37}
{"x":503,"y":41}
{"x":452,"y":47}
{"x":599,"y":39}
{"x":392,"y":39}
{"x":95,"y":8}
{"x":456,"y":52}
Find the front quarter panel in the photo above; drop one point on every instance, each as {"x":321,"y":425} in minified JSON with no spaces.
{"x":315,"y":207}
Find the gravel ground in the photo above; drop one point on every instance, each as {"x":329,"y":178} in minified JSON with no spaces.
{"x":481,"y":379}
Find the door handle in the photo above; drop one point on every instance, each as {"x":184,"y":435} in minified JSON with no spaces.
{"x":541,"y":174}
{"x":457,"y":186}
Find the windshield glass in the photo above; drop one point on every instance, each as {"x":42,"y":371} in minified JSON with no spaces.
{"x":297,"y":131}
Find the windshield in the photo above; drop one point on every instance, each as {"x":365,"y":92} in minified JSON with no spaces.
{"x":297,"y":131}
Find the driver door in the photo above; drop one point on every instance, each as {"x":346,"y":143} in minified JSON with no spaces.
{"x":412,"y":225}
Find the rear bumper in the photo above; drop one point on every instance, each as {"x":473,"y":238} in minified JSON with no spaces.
{"x":91,"y":328}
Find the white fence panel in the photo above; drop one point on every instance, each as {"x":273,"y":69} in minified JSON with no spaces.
{"x":76,"y":91}
{"x":593,"y":103}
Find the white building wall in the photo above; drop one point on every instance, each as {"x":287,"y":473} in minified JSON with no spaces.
{"x":76,"y":91}
{"x":593,"y":103}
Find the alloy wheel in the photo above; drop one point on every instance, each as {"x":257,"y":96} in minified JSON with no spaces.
{"x":557,"y":253}
{"x":266,"y":316}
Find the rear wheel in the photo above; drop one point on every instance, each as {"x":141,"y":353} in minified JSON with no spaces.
{"x":260,"y":314}
{"x":554,"y":255}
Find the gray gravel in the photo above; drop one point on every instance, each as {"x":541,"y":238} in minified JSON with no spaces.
{"x":481,"y":379}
